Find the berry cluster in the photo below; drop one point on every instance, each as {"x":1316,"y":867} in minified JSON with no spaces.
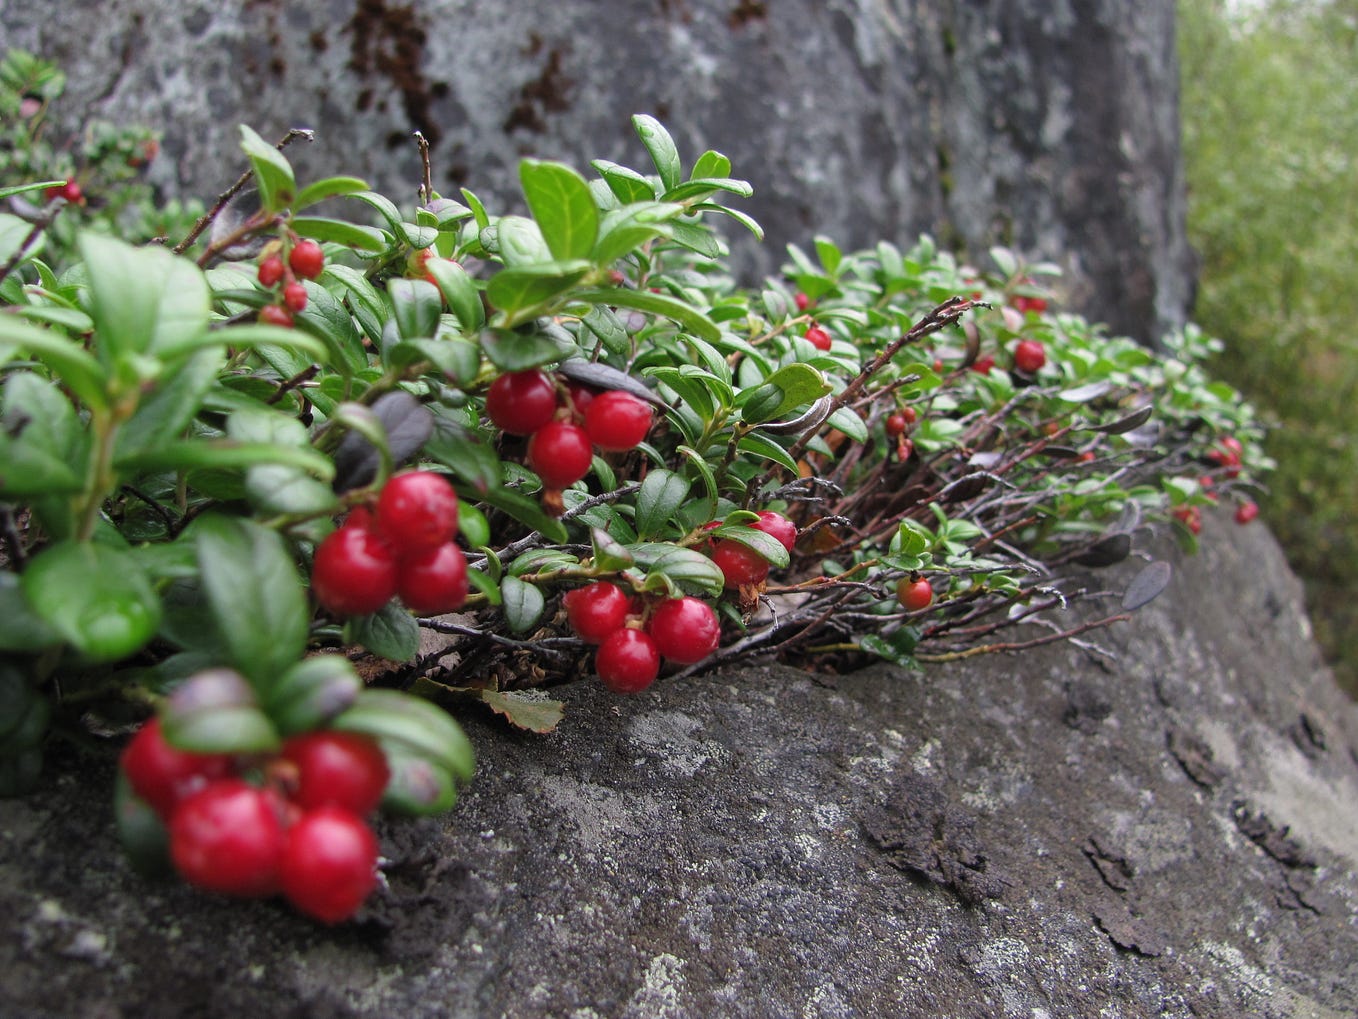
{"x":564,"y":424}
{"x":405,"y":547}
{"x":896,"y":426}
{"x":302,"y":833}
{"x":305,"y":260}
{"x":683,"y":630}
{"x":1227,"y":456}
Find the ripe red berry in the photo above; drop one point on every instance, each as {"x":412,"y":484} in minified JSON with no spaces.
{"x":433,"y":581}
{"x":739,"y":564}
{"x":228,"y":838}
{"x":914,"y":594}
{"x":1029,"y":357}
{"x":275,"y":315}
{"x":162,"y":774}
{"x":778,"y":526}
{"x":581,"y":396}
{"x":307,"y":259}
{"x":910,"y":414}
{"x":1026,"y":304}
{"x":1246,"y":513}
{"x":1190,"y":517}
{"x":983,"y":365}
{"x":895,"y":425}
{"x":627,"y":661}
{"x":685,"y":630}
{"x":818,"y":338}
{"x":294,"y":296}
{"x":560,"y":453}
{"x":329,"y":864}
{"x":803,"y":302}
{"x":354,"y":572}
{"x":596,"y":611}
{"x":938,"y":365}
{"x":339,"y":769}
{"x":521,"y":402}
{"x":361,"y":516}
{"x":71,"y":191}
{"x":416,"y":511}
{"x":1233,"y":445}
{"x":617,"y":421}
{"x":270,"y":272}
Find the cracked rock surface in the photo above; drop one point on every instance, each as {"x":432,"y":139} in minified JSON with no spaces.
{"x":1169,"y":832}
{"x":1047,"y":125}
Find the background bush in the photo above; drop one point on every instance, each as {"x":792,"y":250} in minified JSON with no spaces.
{"x":1270,"y":116}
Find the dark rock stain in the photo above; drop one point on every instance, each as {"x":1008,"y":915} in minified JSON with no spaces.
{"x":389,"y":41}
{"x":547,"y":93}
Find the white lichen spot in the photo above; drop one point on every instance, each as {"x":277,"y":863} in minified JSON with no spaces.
{"x":660,"y":990}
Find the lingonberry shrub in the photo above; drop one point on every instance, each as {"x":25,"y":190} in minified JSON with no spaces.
{"x":185,"y":463}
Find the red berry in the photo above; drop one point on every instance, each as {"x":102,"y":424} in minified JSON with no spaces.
{"x":354,"y":572}
{"x":433,"y":581}
{"x":417,"y":511}
{"x":685,"y":630}
{"x":739,"y":564}
{"x":596,"y":611}
{"x":270,"y":272}
{"x":521,"y":402}
{"x":162,"y":774}
{"x":307,"y":259}
{"x":329,"y":864}
{"x":818,"y":338}
{"x":895,"y":425}
{"x":1190,"y":517}
{"x":1233,"y":445}
{"x":627,"y":661}
{"x":617,"y":421}
{"x":228,"y":838}
{"x":1029,"y":357}
{"x":560,"y":453}
{"x":339,"y":769}
{"x":914,"y":594}
{"x":71,"y":191}
{"x":938,"y":365}
{"x":275,"y":315}
{"x":778,"y":526}
{"x":803,"y":302}
{"x":294,"y":296}
{"x":910,"y":415}
{"x":1027,"y":304}
{"x":1247,"y":513}
{"x":581,"y":396}
{"x":361,"y":516}
{"x":983,"y":364}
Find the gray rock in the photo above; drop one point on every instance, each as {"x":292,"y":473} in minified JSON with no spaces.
{"x":1047,"y":125}
{"x":1162,"y":825}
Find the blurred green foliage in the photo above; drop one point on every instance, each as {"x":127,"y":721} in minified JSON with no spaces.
{"x":1270,"y":121}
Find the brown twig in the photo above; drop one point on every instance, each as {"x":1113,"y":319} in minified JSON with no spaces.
{"x":1023,"y":645}
{"x":426,"y":188}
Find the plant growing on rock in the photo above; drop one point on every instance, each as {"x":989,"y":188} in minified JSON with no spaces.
{"x":622,"y":463}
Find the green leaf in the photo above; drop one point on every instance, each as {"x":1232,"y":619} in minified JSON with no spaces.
{"x":417,"y":785}
{"x":144,"y":300}
{"x":513,"y":351}
{"x":81,"y":372}
{"x":414,"y":726}
{"x":692,"y":572}
{"x":515,"y":290}
{"x":704,"y":186}
{"x":459,"y":360}
{"x":225,"y":454}
{"x":144,"y":839}
{"x":762,"y":446}
{"x":609,"y":555}
{"x":625,"y":229}
{"x":628,"y":185}
{"x":328,"y":187}
{"x":848,"y":422}
{"x":526,"y":512}
{"x":42,"y":444}
{"x":877,"y":646}
{"x":696,"y":237}
{"x":95,"y":596}
{"x":711,"y":164}
{"x":744,"y":220}
{"x":255,"y":595}
{"x":519,"y":242}
{"x":165,"y":414}
{"x":796,"y":384}
{"x":459,"y":291}
{"x":19,"y":189}
{"x":312,"y":692}
{"x":273,"y":173}
{"x":478,"y":209}
{"x":215,"y":712}
{"x":661,"y":148}
{"x":280,"y":488}
{"x":773,"y":550}
{"x":522,"y":603}
{"x":560,"y":201}
{"x":391,"y":633}
{"x":829,"y":254}
{"x":656,"y":304}
{"x":415,"y":236}
{"x":21,"y":629}
{"x":417,"y":305}
{"x":255,"y":335}
{"x":660,"y":496}
{"x":473,"y":462}
{"x":351,"y":235}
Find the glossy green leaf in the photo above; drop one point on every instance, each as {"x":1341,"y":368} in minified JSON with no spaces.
{"x":21,"y":629}
{"x":351,"y":235}
{"x":215,"y":712}
{"x":166,"y":412}
{"x":417,"y":785}
{"x":273,"y":173}
{"x":514,"y":351}
{"x":312,"y":692}
{"x":417,"y":305}
{"x":560,"y":201}
{"x":625,"y":229}
{"x":514,"y":290}
{"x":391,"y":633}
{"x":327,"y":187}
{"x":661,"y":148}
{"x":95,"y":596}
{"x":690,"y":571}
{"x":848,"y":422}
{"x":628,"y":185}
{"x":609,"y":554}
{"x":656,"y":304}
{"x":459,"y":291}
{"x":414,"y":725}
{"x":787,"y":389}
{"x":766,"y":545}
{"x":711,"y":164}
{"x":255,"y":596}
{"x":519,"y":242}
{"x":762,"y":446}
{"x":660,"y":496}
{"x":79,"y":370}
{"x":522,"y":604}
{"x":526,"y":511}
